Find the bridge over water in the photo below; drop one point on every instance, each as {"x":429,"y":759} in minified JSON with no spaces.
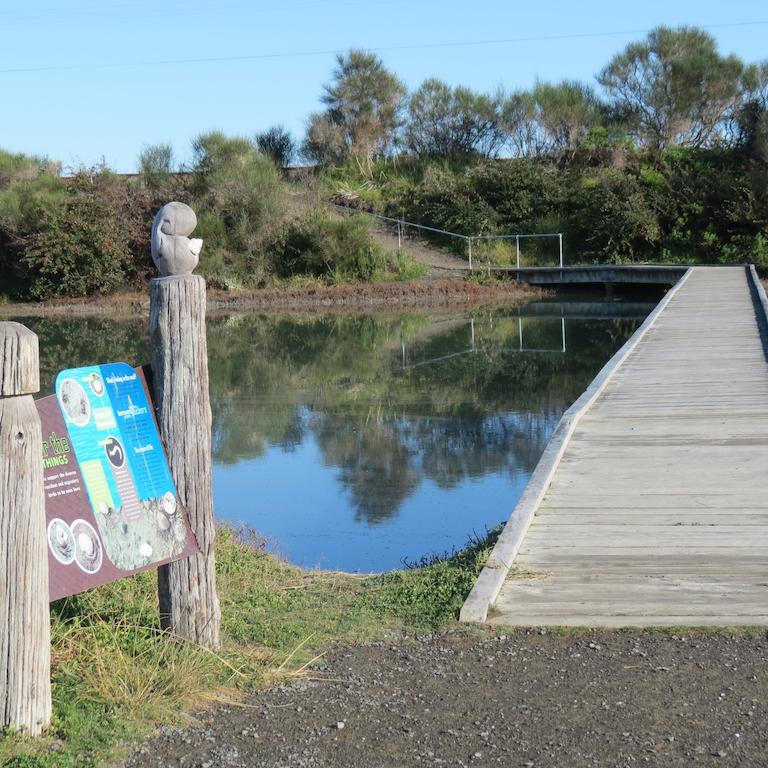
{"x":650,"y":504}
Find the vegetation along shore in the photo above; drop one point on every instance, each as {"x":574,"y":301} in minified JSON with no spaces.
{"x":666,"y":162}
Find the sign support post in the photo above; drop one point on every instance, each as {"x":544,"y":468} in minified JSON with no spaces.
{"x":189,"y":605}
{"x":25,"y":626}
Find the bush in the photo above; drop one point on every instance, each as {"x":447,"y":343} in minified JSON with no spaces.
{"x":239,"y":199}
{"x":447,"y":200}
{"x":95,"y":241}
{"x":325,"y":247}
{"x":276,"y":142}
{"x":29,"y":188}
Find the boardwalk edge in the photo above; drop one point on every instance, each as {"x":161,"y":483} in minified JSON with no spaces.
{"x":759,"y":290}
{"x":494,"y":573}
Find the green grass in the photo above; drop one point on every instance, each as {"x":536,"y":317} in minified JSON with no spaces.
{"x":116,"y":675}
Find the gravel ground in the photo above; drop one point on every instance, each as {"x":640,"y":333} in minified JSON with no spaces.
{"x":530,"y":698}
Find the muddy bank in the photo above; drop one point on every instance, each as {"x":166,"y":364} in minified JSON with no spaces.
{"x":364,"y":297}
{"x":526,"y":699}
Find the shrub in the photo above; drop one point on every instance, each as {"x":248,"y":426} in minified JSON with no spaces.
{"x":95,"y":241}
{"x":276,"y":142}
{"x":326,"y":247}
{"x":239,"y":198}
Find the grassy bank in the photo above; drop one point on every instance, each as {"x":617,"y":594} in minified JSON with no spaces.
{"x":116,"y":675}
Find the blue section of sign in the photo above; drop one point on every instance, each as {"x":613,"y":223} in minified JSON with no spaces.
{"x":137,"y":429}
{"x":87,"y":410}
{"x":110,"y":422}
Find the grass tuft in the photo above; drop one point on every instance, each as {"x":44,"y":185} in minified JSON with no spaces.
{"x":430,"y":592}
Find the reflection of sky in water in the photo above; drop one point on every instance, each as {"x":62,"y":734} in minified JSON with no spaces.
{"x":355,"y":442}
{"x":314,"y":517}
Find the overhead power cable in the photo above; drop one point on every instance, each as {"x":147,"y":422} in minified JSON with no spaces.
{"x":377,"y":49}
{"x":111,"y":13}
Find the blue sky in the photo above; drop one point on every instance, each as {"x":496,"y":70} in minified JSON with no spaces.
{"x":76,"y":85}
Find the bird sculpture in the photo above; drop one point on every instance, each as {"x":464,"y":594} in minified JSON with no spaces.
{"x":172,"y":250}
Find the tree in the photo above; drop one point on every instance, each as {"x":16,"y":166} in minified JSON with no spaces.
{"x":156,"y":166}
{"x":363,"y":103}
{"x":324,"y":143}
{"x":276,"y":142}
{"x":674,"y":87}
{"x":750,"y":124}
{"x":452,"y":122}
{"x":553,"y":117}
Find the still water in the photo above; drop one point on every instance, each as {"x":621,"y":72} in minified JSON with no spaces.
{"x":361,"y":442}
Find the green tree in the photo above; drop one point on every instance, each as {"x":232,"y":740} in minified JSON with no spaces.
{"x":156,"y":166}
{"x":363,"y":103}
{"x":452,"y":122}
{"x":750,"y":124}
{"x":551,"y":118}
{"x":674,"y":88}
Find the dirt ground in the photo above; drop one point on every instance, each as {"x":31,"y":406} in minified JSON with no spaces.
{"x":433,"y":295}
{"x":430,"y":294}
{"x":531,"y":699}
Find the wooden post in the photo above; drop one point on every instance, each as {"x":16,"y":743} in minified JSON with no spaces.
{"x":25,"y":625}
{"x":189,"y":605}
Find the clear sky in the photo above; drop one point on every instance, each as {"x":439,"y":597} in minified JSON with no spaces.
{"x":83,"y":81}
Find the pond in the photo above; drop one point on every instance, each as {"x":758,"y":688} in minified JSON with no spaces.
{"x":360,"y":442}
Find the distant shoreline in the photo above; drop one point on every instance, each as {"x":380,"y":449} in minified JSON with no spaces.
{"x":356,"y":297}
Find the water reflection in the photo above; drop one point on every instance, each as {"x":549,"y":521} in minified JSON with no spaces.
{"x":356,"y":441}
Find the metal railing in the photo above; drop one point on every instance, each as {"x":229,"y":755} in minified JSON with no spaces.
{"x":401,"y":224}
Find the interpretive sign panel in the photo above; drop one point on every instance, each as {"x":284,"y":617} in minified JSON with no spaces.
{"x":110,"y":502}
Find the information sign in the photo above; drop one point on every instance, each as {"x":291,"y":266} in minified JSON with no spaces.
{"x":111,"y":505}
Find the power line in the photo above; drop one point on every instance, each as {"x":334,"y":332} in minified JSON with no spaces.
{"x":107,"y":13}
{"x":379,"y":49}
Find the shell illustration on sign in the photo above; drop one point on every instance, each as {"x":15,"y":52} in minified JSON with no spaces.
{"x":88,"y":552}
{"x":172,"y":250}
{"x":61,"y":541}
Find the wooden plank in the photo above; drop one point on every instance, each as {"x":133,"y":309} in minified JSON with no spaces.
{"x":611,"y":621}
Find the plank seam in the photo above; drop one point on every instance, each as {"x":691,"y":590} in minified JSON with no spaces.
{"x":494,"y":573}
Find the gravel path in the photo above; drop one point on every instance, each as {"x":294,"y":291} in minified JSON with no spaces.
{"x":529,"y":699}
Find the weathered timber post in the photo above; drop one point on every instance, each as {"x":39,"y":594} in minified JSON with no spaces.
{"x":25,"y":624}
{"x":189,"y":605}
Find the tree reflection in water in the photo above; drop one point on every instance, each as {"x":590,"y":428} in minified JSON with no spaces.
{"x":386,"y":426}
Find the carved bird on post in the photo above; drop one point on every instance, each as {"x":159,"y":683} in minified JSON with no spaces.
{"x":172,"y":250}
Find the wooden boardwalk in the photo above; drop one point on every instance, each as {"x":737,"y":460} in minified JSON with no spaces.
{"x":657,"y":512}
